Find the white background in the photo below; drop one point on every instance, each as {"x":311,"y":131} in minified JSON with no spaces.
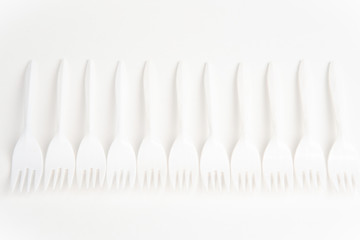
{"x":222,"y":33}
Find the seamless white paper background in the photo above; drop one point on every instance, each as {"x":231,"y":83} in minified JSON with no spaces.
{"x":222,"y":33}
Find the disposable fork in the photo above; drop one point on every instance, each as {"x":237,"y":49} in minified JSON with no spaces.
{"x":91,"y":160}
{"x":214,"y":162}
{"x":27,"y":159}
{"x":151,"y":162}
{"x":183,"y":158}
{"x":121,"y":161}
{"x":309,"y":161}
{"x":277,"y":161}
{"x":60,"y":158}
{"x":245,"y":159}
{"x":343,"y":160}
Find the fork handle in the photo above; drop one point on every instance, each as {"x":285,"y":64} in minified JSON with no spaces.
{"x":180,"y":98}
{"x":30,"y":74}
{"x":274,"y":102}
{"x":120,"y":78}
{"x":209,"y":99}
{"x":148,"y":71}
{"x":62,"y":74}
{"x":306,"y":100}
{"x":89,"y":78}
{"x":337,"y":97}
{"x":243,"y":103}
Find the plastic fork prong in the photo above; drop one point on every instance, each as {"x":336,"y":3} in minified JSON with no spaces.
{"x":14,"y":180}
{"x":22,"y":180}
{"x":124,"y":179}
{"x":250,"y":182}
{"x":56,"y":176}
{"x":187,"y":176}
{"x":87,"y":178}
{"x":29,"y":180}
{"x":63,"y":175}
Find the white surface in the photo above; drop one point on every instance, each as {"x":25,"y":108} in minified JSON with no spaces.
{"x":221,"y":32}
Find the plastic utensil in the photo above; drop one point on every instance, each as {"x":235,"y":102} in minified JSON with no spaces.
{"x":121,"y":160}
{"x":151,"y":162}
{"x":60,"y":157}
{"x":309,"y":160}
{"x":277,"y":161}
{"x":183,"y":158}
{"x":214,"y":162}
{"x":245,"y":159}
{"x":343,"y":160}
{"x":27,"y":159}
{"x":91,"y":160}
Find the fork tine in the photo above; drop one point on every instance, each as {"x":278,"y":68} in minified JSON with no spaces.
{"x":353,"y":182}
{"x":342,"y":181}
{"x":272,"y":182}
{"x":118,"y":175}
{"x":156,"y":178}
{"x":243,"y":181}
{"x":205,"y":181}
{"x":250,"y":182}
{"x":187,"y":180}
{"x":217,"y":179}
{"x":282,"y":182}
{"x":162,"y":179}
{"x":148,"y":175}
{"x":22,"y":179}
{"x":14,"y":179}
{"x":315,"y":180}
{"x":29,"y":179}
{"x":62,"y":177}
{"x":181,"y":175}
{"x":124,"y":178}
{"x":93,"y":178}
{"x":87,"y":178}
{"x":55,"y":179}
{"x":212,"y":180}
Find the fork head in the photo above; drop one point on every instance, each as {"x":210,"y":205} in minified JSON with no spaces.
{"x":59,"y":163}
{"x":151,"y":164}
{"x":310,"y":166}
{"x":121,"y":165}
{"x":214,"y":166}
{"x":246,"y":167}
{"x":278,"y":167}
{"x":343,"y":166}
{"x":27,"y":164}
{"x":183,"y":165}
{"x":90,"y":162}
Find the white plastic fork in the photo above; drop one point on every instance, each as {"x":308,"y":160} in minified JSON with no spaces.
{"x":151,"y":162}
{"x":343,"y":160}
{"x":27,"y":159}
{"x":90,"y":160}
{"x":121,"y":160}
{"x":277,"y":161}
{"x":183,"y":158}
{"x":309,"y":160}
{"x":214,"y":162}
{"x":60,"y":157}
{"x":245,"y":159}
